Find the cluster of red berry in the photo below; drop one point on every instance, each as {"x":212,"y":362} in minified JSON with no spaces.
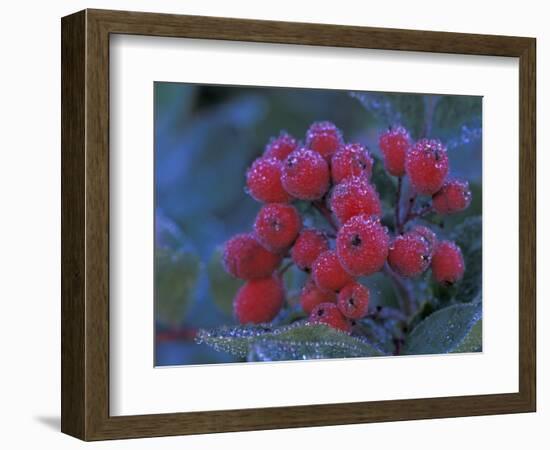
{"x":336,"y":178}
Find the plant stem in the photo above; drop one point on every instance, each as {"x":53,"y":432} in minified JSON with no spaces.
{"x":418,"y":213}
{"x":398,"y":204}
{"x":325,"y":212}
{"x":406,"y":300}
{"x":387,"y":312}
{"x":412,"y":199}
{"x":283,"y":269}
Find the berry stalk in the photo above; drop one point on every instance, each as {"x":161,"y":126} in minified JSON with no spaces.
{"x":407,"y":303}
{"x":325,"y":212}
{"x":398,"y":204}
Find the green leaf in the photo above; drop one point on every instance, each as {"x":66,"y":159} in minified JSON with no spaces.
{"x":176,"y":274}
{"x":473,"y":340}
{"x":468,"y":237}
{"x":297,"y":341}
{"x":223,"y":286}
{"x":454,"y":329}
{"x":376,"y":332}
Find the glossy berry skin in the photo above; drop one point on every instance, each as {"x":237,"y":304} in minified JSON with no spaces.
{"x":324,"y":138}
{"x":305,"y":175}
{"x":245,"y":258}
{"x":311,"y":296}
{"x":328,"y":273}
{"x":351,"y":160}
{"x":309,"y":245}
{"x":353,"y":301}
{"x":409,"y":254}
{"x":259,"y":301}
{"x":353,"y":197}
{"x":454,"y":196}
{"x":263,"y":181}
{"x":280,"y":147}
{"x":394,"y":144}
{"x":329,"y":314}
{"x":447,"y":263}
{"x":362,"y":245}
{"x":427,"y":166}
{"x":277,"y":226}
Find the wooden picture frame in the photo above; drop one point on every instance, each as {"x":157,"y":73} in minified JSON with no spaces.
{"x":85,"y":224}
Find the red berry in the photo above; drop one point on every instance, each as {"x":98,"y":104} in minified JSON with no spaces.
{"x":311,"y":296}
{"x":353,"y":301}
{"x":328,"y":273}
{"x":362,"y":245}
{"x":426,"y":234}
{"x":409,"y":254}
{"x":447,"y":263}
{"x":277,"y":225}
{"x":427,"y":165}
{"x":281,"y":146}
{"x":324,"y":138}
{"x":352,"y":197}
{"x":351,"y":160}
{"x":263,"y":181}
{"x":259,"y":301}
{"x":245,"y":258}
{"x":329,"y":314}
{"x":309,"y":245}
{"x":305,"y":175}
{"x":453,"y":197}
{"x":395,"y":143}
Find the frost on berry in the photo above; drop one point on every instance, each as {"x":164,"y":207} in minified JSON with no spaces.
{"x":410,"y":254}
{"x":277,"y":225}
{"x":263,"y":181}
{"x":447,"y":263}
{"x":328,"y":273}
{"x":309,"y":245}
{"x":329,"y":314}
{"x":454,"y":196}
{"x":394,"y":144}
{"x":427,"y":166}
{"x":305,"y":174}
{"x":352,"y":197}
{"x":311,"y":296}
{"x":353,"y":301}
{"x":362,"y":245}
{"x":426,"y":233}
{"x":259,"y":301}
{"x":245,"y":258}
{"x":324,"y":138}
{"x":351,"y":160}
{"x":281,"y":146}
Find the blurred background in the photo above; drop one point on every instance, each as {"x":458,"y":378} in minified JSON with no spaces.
{"x":206,"y":136}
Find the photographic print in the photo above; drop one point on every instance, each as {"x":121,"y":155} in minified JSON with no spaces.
{"x":297,"y":224}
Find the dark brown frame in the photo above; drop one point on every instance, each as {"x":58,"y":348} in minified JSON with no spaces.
{"x":85,"y":224}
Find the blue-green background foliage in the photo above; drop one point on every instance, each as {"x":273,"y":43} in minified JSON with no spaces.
{"x":207,"y":136}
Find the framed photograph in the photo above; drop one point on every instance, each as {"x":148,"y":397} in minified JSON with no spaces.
{"x":273,"y":225}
